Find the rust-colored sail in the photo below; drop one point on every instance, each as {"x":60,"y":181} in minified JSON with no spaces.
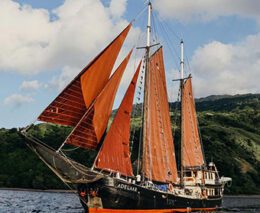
{"x":71,"y":104}
{"x":159,"y":162}
{"x":91,"y":127}
{"x":115,"y":152}
{"x":192,"y":150}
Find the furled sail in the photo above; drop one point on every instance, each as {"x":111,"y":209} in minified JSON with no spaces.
{"x":88,"y":132}
{"x":72,"y":103}
{"x":115,"y":152}
{"x":192,"y":149}
{"x":159,"y":162}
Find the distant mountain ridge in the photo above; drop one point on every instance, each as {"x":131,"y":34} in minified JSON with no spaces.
{"x":229,"y":125}
{"x":217,"y":97}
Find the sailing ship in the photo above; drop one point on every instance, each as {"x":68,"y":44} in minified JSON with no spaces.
{"x":111,"y":185}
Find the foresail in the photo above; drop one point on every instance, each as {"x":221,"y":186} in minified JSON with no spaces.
{"x":159,"y":162}
{"x":192,"y":149}
{"x":115,"y":152}
{"x":91,"y":127}
{"x":72,"y":103}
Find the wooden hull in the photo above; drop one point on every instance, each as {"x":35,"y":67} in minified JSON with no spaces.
{"x":114,"y":195}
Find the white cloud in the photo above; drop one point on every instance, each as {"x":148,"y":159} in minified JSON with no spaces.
{"x":17,"y":100}
{"x":32,"y":43}
{"x":206,"y":10}
{"x":67,"y":74}
{"x":30,"y":85}
{"x":117,"y":8}
{"x":227,"y":68}
{"x":27,"y":34}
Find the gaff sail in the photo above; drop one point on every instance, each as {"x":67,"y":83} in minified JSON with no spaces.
{"x":159,"y":162}
{"x":115,"y":152}
{"x":72,"y":103}
{"x":192,"y":149}
{"x":88,"y":132}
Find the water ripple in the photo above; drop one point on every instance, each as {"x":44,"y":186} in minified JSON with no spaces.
{"x":52,"y":202}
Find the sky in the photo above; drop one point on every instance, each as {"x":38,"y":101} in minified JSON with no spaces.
{"x":45,"y":43}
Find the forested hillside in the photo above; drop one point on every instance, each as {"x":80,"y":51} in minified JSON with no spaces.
{"x":229,"y":125}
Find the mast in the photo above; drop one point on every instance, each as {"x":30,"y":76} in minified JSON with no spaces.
{"x":182,"y":123}
{"x":147,"y":55}
{"x":182,"y":59}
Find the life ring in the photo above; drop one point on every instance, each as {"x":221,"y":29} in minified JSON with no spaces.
{"x":170,"y":187}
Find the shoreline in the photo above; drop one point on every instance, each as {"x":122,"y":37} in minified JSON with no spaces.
{"x":39,"y":190}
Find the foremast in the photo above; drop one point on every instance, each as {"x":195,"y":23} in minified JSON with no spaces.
{"x":146,"y":96}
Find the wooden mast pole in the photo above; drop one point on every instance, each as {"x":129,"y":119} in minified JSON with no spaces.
{"x":145,"y":104}
{"x":182,"y":123}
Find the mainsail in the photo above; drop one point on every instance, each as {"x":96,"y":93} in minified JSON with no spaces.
{"x":192,"y":149}
{"x":72,"y":103}
{"x":115,"y":152}
{"x":91,"y":127}
{"x":159,"y":162}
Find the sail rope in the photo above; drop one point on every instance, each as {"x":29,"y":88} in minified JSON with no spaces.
{"x":70,"y":150}
{"x":134,"y":117}
{"x":137,"y":103}
{"x":169,"y":42}
{"x":148,"y":130}
{"x":139,"y":14}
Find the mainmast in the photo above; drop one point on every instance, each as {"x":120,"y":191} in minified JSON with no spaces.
{"x":145,"y":104}
{"x":182,"y":123}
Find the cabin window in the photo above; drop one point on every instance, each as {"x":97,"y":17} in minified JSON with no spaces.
{"x":210,"y":176}
{"x":216,"y":191}
{"x":210,"y":192}
{"x":188,"y":174}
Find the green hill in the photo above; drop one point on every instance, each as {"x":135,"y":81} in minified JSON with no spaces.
{"x":229,"y":125}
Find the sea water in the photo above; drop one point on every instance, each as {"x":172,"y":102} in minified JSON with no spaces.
{"x":14,"y":201}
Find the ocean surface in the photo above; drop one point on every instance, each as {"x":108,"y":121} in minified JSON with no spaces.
{"x":30,"y":201}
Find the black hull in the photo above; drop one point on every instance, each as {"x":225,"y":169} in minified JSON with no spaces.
{"x":120,"y":195}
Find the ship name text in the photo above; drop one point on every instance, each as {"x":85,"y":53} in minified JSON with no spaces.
{"x":127,"y":187}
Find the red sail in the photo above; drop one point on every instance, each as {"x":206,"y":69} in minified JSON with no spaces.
{"x":92,"y":126}
{"x":192,"y":150}
{"x":115,"y":152}
{"x":71,"y":104}
{"x":159,"y":162}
